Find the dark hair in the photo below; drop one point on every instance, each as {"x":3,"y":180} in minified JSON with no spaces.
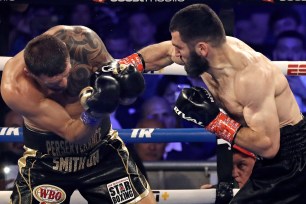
{"x":46,"y":55}
{"x":292,"y":34}
{"x":282,"y":13}
{"x":198,"y":22}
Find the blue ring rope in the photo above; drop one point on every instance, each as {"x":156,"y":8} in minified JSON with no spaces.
{"x":143,"y":135}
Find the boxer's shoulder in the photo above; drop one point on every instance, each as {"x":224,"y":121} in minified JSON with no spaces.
{"x":64,"y":31}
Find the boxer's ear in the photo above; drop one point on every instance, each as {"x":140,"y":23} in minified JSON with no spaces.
{"x":25,"y":69}
{"x":201,"y":49}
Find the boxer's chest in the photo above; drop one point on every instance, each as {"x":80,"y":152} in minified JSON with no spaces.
{"x":226,"y":99}
{"x":228,"y":102}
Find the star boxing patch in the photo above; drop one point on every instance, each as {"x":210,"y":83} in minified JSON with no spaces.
{"x":120,"y":191}
{"x":47,"y":194}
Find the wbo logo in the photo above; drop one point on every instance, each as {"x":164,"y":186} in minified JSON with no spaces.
{"x":49,"y":194}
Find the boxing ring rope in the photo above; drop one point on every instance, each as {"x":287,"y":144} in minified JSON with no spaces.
{"x":290,"y":68}
{"x":138,"y":135}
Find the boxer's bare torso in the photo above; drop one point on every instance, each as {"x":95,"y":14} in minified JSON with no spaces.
{"x":231,"y":87}
{"x":247,"y":85}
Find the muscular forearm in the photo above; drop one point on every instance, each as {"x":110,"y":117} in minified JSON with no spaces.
{"x":157,"y":56}
{"x":77,"y":132}
{"x":257,"y":142}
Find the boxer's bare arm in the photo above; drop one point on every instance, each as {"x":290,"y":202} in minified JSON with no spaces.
{"x":22,"y":96}
{"x":158,"y":56}
{"x":262,"y":136}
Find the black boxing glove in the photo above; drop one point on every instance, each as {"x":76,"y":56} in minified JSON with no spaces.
{"x":132,"y":83}
{"x":197,"y":105}
{"x":101,"y":99}
{"x":128,"y":73}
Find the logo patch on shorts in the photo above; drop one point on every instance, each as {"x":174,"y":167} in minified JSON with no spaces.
{"x":120,"y":191}
{"x":49,"y":194}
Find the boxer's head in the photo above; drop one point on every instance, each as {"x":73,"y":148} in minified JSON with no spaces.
{"x":47,"y":61}
{"x":194,"y":29}
{"x":242,"y":167}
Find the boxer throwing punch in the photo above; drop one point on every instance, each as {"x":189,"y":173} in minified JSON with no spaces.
{"x":69,"y":142}
{"x":259,"y":112}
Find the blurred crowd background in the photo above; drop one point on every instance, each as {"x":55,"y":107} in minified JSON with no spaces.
{"x":277,"y":31}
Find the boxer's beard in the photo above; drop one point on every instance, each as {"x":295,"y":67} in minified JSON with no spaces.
{"x":196,"y":65}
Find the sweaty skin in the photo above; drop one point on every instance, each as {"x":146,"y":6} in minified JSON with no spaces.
{"x":247,"y":85}
{"x":44,"y":109}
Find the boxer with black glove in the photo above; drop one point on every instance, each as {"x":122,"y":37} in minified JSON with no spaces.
{"x":102,"y":98}
{"x":198,"y":106}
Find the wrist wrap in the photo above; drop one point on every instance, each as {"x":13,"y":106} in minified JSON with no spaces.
{"x":135,"y":59}
{"x":89,"y":119}
{"x":224,"y":127}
